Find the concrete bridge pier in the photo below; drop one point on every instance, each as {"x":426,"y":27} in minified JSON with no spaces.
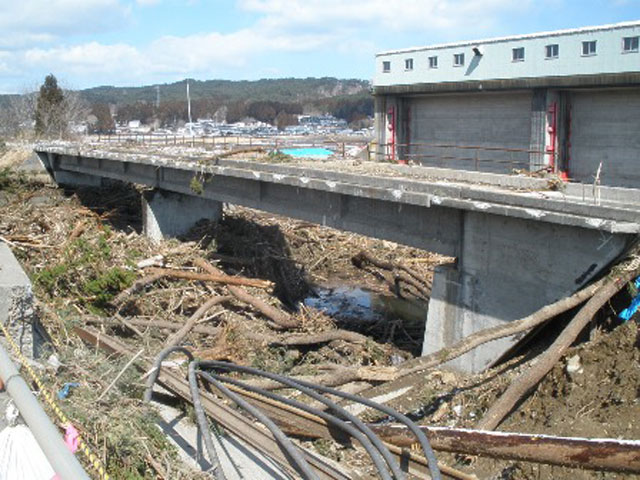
{"x":169,"y":214}
{"x":509,"y":268}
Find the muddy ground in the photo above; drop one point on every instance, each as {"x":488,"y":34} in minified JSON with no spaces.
{"x":81,"y":249}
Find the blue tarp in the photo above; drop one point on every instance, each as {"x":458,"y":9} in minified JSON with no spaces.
{"x":628,"y":312}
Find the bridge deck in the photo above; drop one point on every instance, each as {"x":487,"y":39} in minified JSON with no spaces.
{"x":611,"y":209}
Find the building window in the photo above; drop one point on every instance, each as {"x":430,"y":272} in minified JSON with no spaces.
{"x":589,"y":48}
{"x":517,"y":54}
{"x":551,"y":51}
{"x":458,"y":59}
{"x":433,"y":62}
{"x":408,"y":64}
{"x":386,"y":67}
{"x":630,"y":44}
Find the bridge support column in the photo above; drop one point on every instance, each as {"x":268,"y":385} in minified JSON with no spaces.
{"x":507,"y":269}
{"x":168,"y":214}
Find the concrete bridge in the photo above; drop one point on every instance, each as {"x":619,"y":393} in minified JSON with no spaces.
{"x":518,"y":244}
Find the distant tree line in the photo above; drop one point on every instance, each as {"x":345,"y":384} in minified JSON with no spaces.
{"x":279,"y":114}
{"x":51,"y":111}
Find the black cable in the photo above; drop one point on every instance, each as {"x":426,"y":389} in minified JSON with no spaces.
{"x":391,"y":462}
{"x":288,"y":448}
{"x":359,"y":436}
{"x":201,"y":418}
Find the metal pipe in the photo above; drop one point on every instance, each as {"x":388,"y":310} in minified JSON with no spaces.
{"x":64,"y":463}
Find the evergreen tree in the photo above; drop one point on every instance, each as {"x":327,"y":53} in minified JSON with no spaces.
{"x":50,"y":118}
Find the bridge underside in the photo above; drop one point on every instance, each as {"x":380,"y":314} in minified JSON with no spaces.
{"x":512,"y":259}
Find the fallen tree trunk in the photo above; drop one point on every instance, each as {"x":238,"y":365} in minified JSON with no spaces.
{"x":178,"y":336}
{"x":280,"y":318}
{"x":224,"y":279}
{"x":338,"y":375}
{"x":420,"y":364}
{"x":423,"y":288}
{"x":151,"y":324}
{"x":596,"y":454}
{"x":530,"y":378}
{"x":322,"y":337}
{"x":363,"y":257}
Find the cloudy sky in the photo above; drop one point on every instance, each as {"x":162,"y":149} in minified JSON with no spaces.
{"x":88,"y":43}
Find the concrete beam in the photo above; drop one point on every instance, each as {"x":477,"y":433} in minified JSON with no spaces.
{"x":567,"y":81}
{"x":75,"y":179}
{"x":168,"y":214}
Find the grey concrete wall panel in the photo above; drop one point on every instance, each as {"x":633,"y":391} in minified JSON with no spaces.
{"x":473,"y":119}
{"x":17,"y":311}
{"x":537,"y":158}
{"x":605,"y":128}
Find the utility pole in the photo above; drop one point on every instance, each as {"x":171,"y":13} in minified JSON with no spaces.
{"x":189,"y":110}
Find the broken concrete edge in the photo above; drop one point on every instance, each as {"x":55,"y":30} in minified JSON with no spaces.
{"x":17,"y":311}
{"x":201,"y":161}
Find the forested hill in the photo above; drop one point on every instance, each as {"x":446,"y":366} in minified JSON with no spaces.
{"x":290,"y":90}
{"x":275,"y":101}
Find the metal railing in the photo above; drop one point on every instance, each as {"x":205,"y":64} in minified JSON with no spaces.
{"x":338,"y":146}
{"x":468,"y":157}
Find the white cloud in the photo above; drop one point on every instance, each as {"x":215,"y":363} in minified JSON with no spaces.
{"x":352,"y":29}
{"x":382,"y":15}
{"x":36,"y":21}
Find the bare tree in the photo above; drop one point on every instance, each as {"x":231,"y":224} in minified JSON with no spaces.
{"x":16,"y":120}
{"x":75,"y":110}
{"x":59,"y":113}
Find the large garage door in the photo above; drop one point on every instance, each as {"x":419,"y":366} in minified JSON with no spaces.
{"x":487,"y":131}
{"x":605,"y":127}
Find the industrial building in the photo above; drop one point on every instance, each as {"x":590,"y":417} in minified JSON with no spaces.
{"x":565,"y":101}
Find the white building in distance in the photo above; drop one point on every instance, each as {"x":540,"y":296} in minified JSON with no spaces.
{"x":564,"y":101}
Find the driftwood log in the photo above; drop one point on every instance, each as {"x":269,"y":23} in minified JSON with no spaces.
{"x":143,"y":323}
{"x":278,"y":317}
{"x":336,"y":375}
{"x":177,"y":337}
{"x":401,"y":272}
{"x":322,"y":337}
{"x":489,"y":334}
{"x":596,"y":454}
{"x":219,"y":278}
{"x":481,"y":337}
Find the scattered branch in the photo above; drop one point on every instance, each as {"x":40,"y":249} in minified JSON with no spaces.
{"x":280,"y":318}
{"x":221,"y":278}
{"x":178,"y":336}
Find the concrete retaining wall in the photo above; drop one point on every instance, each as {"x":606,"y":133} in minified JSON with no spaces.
{"x":17,"y":311}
